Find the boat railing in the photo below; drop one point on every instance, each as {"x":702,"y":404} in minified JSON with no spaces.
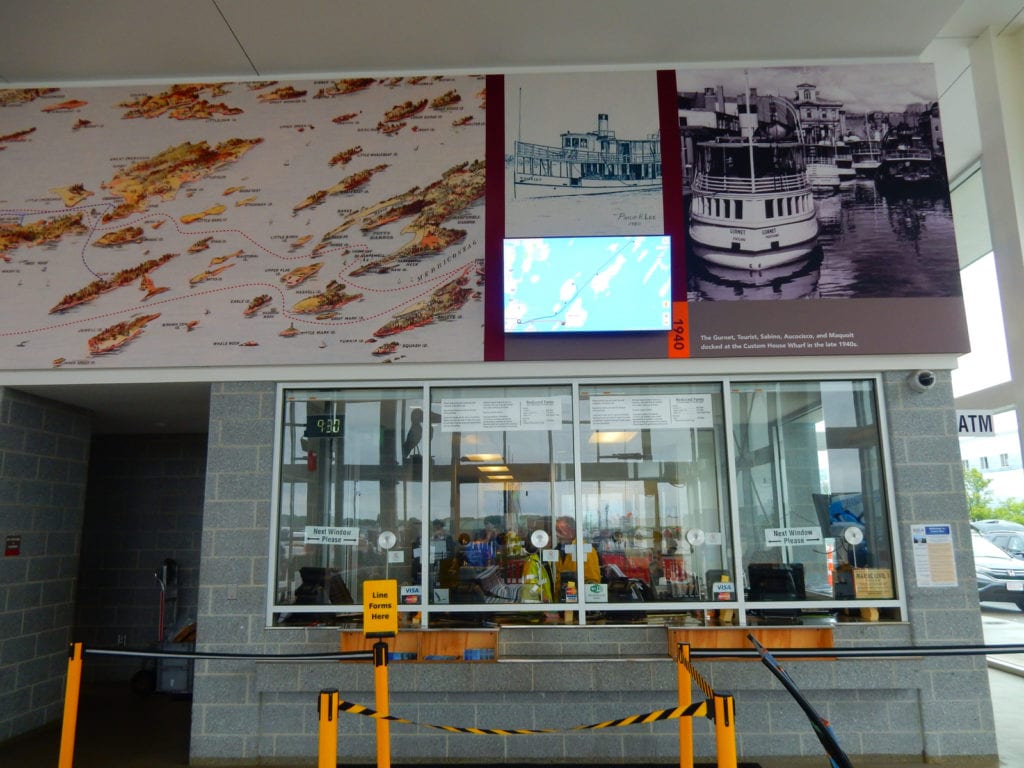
{"x":867,"y":149}
{"x":908,"y":153}
{"x":542,"y":152}
{"x":788,"y":182}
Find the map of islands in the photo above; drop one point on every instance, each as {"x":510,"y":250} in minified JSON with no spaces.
{"x":163,"y":175}
{"x":222,"y":233}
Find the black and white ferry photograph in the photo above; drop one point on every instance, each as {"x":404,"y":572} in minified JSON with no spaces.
{"x":815,"y":182}
{"x":582,"y":154}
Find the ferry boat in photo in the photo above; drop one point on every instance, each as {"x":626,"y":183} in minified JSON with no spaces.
{"x":867,"y":155}
{"x":752,"y":206}
{"x":844,"y":161}
{"x":592,"y":162}
{"x":907,"y":161}
{"x":822,"y":171}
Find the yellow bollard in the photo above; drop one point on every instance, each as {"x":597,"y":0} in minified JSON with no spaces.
{"x":725,"y":730}
{"x":380,"y":681}
{"x":685,"y":685}
{"x":70,"y":721}
{"x":327,"y":711}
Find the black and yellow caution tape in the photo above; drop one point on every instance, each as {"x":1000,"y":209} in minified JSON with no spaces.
{"x":698,"y":709}
{"x":703,"y":684}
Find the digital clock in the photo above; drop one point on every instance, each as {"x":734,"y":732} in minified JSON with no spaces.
{"x":323,"y":425}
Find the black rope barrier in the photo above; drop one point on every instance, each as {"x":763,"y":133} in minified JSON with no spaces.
{"x":866,"y":652}
{"x":327,"y":656}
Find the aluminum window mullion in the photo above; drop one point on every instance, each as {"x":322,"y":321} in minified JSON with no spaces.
{"x":734,"y":503}
{"x":577,"y":471}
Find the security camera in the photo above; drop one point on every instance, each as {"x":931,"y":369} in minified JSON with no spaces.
{"x":922,"y":381}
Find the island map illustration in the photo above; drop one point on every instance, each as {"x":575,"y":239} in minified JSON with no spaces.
{"x":249,"y":223}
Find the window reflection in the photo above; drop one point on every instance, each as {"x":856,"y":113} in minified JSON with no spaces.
{"x":349,"y":500}
{"x":814,"y":523}
{"x":584,"y":503}
{"x":653,"y":490}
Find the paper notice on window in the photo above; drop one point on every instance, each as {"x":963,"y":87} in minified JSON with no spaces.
{"x":651,"y":412}
{"x":329,"y":534}
{"x":792,"y":537}
{"x":501,"y":414}
{"x":933,"y":555}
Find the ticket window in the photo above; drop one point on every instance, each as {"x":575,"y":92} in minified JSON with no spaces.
{"x":502,"y":474}
{"x":608,"y":502}
{"x":813,"y":515}
{"x":349,"y":500}
{"x":654,"y":494}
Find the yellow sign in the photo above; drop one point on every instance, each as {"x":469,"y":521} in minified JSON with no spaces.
{"x":380,"y":608}
{"x":872,"y":583}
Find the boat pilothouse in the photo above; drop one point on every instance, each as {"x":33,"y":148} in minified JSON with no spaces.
{"x":867,"y":156}
{"x":751,"y":203}
{"x":907,"y":160}
{"x":591,"y":162}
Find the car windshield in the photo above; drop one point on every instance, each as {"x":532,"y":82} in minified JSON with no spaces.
{"x":983,"y":546}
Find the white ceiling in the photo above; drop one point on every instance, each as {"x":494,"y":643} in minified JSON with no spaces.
{"x":48,"y":42}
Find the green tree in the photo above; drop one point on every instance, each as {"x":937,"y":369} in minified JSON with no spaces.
{"x":979,"y":497}
{"x":1010,"y":509}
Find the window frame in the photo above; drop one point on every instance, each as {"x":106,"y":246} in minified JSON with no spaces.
{"x":897,"y":604}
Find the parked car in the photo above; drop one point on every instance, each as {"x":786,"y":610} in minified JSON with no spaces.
{"x":1011,"y":542}
{"x":1000,"y":577}
{"x":992,"y":525}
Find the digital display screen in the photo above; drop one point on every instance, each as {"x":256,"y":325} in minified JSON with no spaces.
{"x":593,"y":284}
{"x":322,"y":425}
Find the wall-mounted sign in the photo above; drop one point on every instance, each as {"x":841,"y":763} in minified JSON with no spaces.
{"x":933,"y":555}
{"x":975,"y":423}
{"x":12,"y":548}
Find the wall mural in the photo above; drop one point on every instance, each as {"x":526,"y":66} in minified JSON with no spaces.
{"x":353,"y":221}
{"x":243,"y":223}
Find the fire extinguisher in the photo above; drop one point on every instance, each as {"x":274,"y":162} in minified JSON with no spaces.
{"x":310,"y":454}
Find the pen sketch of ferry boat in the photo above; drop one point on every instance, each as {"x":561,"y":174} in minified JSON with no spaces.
{"x":590,"y":162}
{"x":751,"y":202}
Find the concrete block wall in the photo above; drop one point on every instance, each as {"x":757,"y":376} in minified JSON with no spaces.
{"x":144,"y":504}
{"x":44,"y":454}
{"x":937,"y":708}
{"x":929,"y":488}
{"x":226,"y":717}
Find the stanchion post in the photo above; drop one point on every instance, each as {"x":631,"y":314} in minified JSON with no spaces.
{"x":725,"y":730}
{"x":380,"y":681}
{"x":685,"y":684}
{"x":327,"y":716}
{"x":72,"y":688}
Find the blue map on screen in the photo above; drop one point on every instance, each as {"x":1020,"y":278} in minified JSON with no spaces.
{"x":596,"y":284}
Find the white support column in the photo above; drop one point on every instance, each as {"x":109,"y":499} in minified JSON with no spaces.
{"x":997,"y":66}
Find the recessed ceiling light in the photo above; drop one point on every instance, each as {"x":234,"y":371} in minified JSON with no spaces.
{"x":603,"y":438}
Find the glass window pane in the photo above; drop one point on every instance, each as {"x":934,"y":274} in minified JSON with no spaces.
{"x":348,"y":475}
{"x":654,"y":497}
{"x":501,"y":474}
{"x":814,"y":523}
